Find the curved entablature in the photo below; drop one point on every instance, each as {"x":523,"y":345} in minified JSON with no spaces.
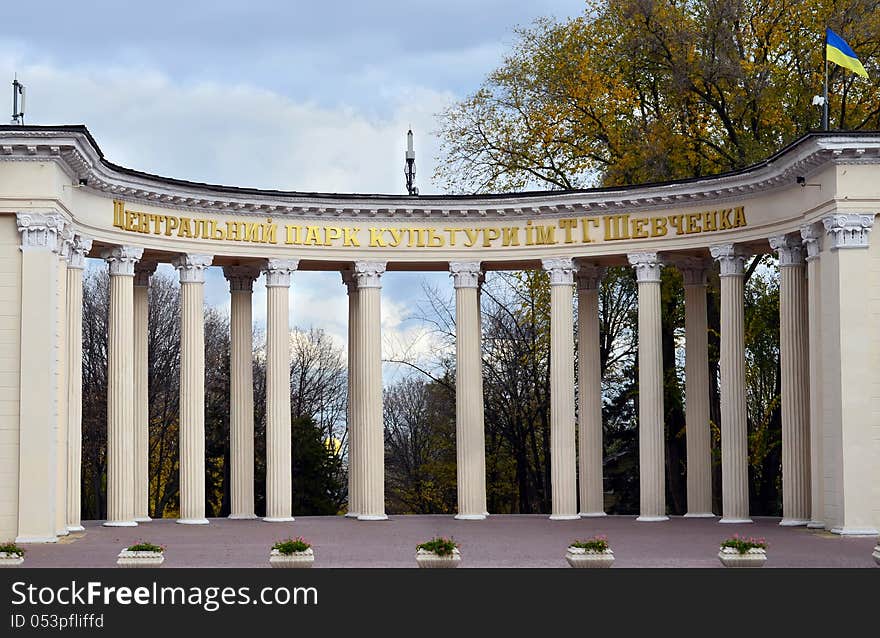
{"x":819,"y":174}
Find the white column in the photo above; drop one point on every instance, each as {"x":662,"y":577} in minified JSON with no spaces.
{"x":794,"y":363}
{"x":469,"y":429}
{"x":563,"y":470}
{"x":279,"y":471}
{"x":371,"y":451}
{"x":652,"y":466}
{"x":811,"y":237}
{"x":37,"y":463}
{"x":61,"y":395}
{"x":355,"y":480}
{"x":696,"y":379}
{"x":241,"y":390}
{"x":592,"y":502}
{"x":75,"y":266}
{"x":192,"y":387}
{"x":848,"y":329}
{"x":142,"y":272}
{"x":734,"y":432}
{"x":120,"y":387}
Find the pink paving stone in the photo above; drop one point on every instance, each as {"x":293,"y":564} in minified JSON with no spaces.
{"x":499,"y":541}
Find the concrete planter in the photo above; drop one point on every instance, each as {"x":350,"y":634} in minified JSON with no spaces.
{"x":424,"y":558}
{"x":580,"y":558}
{"x":10,"y":560}
{"x":300,"y":560}
{"x":730,"y":557}
{"x":128,"y":558}
{"x":876,"y":554}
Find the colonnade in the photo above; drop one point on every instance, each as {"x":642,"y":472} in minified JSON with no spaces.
{"x":53,"y":251}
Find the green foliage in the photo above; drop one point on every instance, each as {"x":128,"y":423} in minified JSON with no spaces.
{"x":594,"y":544}
{"x":440,"y":545}
{"x":742,"y":544}
{"x":292,"y":545}
{"x":11,"y":548}
{"x":145,"y":547}
{"x":318,"y":489}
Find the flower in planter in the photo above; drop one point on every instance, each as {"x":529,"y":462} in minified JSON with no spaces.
{"x":590,"y":552}
{"x":438,"y":552}
{"x":292,"y":552}
{"x":141,"y":554}
{"x":145,"y":547}
{"x":11,"y":555}
{"x":740,"y":551}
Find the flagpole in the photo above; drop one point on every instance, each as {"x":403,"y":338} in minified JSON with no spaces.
{"x":825,"y":95}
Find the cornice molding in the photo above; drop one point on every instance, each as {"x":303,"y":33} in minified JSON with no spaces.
{"x":74,"y":151}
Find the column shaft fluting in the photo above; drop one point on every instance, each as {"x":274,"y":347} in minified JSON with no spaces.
{"x":74,"y":380}
{"x":120,"y":387}
{"x":192,"y":387}
{"x":241,"y":390}
{"x":589,"y":392}
{"x":370,"y":436}
{"x":734,"y":431}
{"x":61,"y":397}
{"x":143,"y":271}
{"x":652,"y":468}
{"x":279,"y":471}
{"x":696,"y":373}
{"x":355,"y":478}
{"x":563,"y":465}
{"x":794,"y":363}
{"x":469,"y":427}
{"x":811,"y":236}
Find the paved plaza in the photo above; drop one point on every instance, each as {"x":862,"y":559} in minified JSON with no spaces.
{"x":500,"y":541}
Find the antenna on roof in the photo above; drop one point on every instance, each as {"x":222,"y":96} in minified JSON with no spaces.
{"x":18,"y":94}
{"x":409,"y":167}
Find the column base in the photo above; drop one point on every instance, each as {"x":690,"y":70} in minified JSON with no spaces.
{"x":242,"y":517}
{"x":278,"y":519}
{"x":564,"y":517}
{"x":372,"y":517}
{"x":793,"y":522}
{"x":351,"y":515}
{"x":192,"y":521}
{"x":119,"y":524}
{"x":62,"y":532}
{"x":592,"y":514}
{"x":36,"y":539}
{"x":854,"y":531}
{"x":815,"y":525}
{"x":700,"y":515}
{"x":736,"y":520}
{"x":73,"y":529}
{"x":142,"y":519}
{"x":652,"y":519}
{"x":470,"y":517}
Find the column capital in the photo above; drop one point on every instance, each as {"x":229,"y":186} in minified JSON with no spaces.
{"x":561,"y":270}
{"x":278,"y":271}
{"x":647,"y":266}
{"x":41,"y":231}
{"x":465,"y":274}
{"x":589,"y":276}
{"x":348,"y":280}
{"x":78,"y":250}
{"x":811,"y":237}
{"x":65,"y":242}
{"x":192,"y":267}
{"x":367,"y":274}
{"x":848,"y":230}
{"x":790,"y":249}
{"x":143,"y":270}
{"x":694,"y":270}
{"x":241,"y":277}
{"x":122,"y":259}
{"x":731,"y":259}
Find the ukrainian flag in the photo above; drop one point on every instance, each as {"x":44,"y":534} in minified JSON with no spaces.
{"x":838,"y":51}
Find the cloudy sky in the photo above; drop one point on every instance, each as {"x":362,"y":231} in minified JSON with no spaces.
{"x":313,"y":96}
